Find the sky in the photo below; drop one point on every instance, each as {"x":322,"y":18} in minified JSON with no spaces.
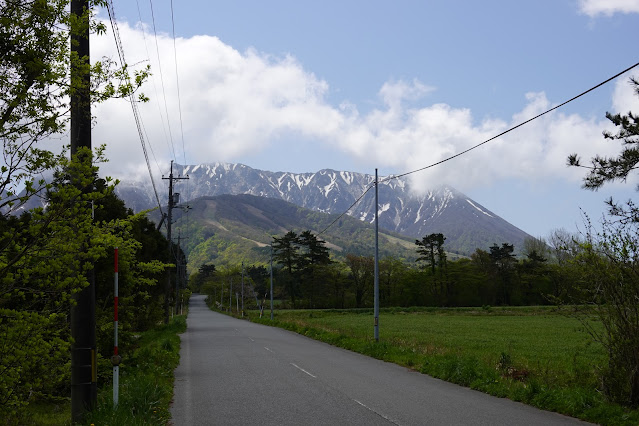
{"x":301,"y":86}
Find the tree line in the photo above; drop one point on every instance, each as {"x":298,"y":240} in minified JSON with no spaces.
{"x":306,"y":276}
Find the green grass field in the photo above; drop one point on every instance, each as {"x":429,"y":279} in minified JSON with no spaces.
{"x":547,"y":345}
{"x":532,"y":355}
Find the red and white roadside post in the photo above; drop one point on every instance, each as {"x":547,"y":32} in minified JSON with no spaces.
{"x":115,"y":359}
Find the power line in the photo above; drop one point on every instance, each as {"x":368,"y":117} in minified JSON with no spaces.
{"x":166,"y":109}
{"x":482,"y":143}
{"x":177,"y":82}
{"x":146,"y":47}
{"x":514,"y":127}
{"x":134,"y":106}
{"x":347,"y":210}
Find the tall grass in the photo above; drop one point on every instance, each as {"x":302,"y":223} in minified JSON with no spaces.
{"x":146,"y":381}
{"x":146,"y":386}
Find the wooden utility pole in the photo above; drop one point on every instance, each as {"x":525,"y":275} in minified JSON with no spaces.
{"x":83,"y":349}
{"x":180,"y":276}
{"x":376,"y":279}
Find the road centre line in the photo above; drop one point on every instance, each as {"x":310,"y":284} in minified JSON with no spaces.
{"x":269,"y":350}
{"x":301,"y":369}
{"x":376,"y":412}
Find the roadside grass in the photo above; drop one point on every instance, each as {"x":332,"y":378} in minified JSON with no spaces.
{"x":146,"y":380}
{"x":43,"y":413}
{"x":146,"y":386}
{"x":533,"y":355}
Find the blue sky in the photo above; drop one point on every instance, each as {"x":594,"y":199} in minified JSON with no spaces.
{"x":354,"y":85}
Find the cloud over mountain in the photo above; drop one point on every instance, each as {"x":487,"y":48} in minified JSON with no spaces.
{"x":235,"y":104}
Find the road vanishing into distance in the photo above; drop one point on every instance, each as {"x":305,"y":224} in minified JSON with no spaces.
{"x":234,"y":372}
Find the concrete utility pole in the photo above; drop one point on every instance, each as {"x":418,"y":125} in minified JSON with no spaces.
{"x":180,"y":275}
{"x":83,"y":349}
{"x":116,"y":358}
{"x":376,"y":285}
{"x":169,"y":219}
{"x":271,"y":281}
{"x":242,"y":288}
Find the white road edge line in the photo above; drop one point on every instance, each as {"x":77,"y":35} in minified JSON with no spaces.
{"x":376,"y":412}
{"x":301,"y":369}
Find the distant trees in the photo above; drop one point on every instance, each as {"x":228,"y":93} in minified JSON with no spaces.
{"x":301,"y":257}
{"x":306,"y":276}
{"x":493,"y":276}
{"x":202,"y":277}
{"x":503,"y":262}
{"x":431,"y":250}
{"x":361,"y":276}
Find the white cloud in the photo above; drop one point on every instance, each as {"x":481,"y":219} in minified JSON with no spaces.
{"x":236,"y":104}
{"x":625,"y":98}
{"x":608,"y":7}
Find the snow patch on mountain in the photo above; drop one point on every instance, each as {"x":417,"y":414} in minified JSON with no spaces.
{"x":473,"y":204}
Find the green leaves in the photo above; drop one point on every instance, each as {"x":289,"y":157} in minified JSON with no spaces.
{"x":34,"y":361}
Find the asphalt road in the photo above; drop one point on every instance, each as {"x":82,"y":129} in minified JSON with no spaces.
{"x":235,"y":372}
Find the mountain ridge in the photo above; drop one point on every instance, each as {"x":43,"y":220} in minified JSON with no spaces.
{"x":466,"y":223}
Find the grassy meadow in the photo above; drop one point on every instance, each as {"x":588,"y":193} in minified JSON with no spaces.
{"x":535,"y":355}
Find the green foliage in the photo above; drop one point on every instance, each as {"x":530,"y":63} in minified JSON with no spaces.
{"x":45,"y":254}
{"x":609,"y":291}
{"x":36,"y":84}
{"x":44,"y":257}
{"x":34,"y":362}
{"x":607,"y":265}
{"x":41,"y":258}
{"x":362,"y":276}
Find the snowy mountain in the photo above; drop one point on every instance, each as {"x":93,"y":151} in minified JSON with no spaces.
{"x":465,"y":223}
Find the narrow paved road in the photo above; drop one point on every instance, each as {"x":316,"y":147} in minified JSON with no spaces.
{"x":236,"y":372}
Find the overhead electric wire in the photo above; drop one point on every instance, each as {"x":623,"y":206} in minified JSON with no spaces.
{"x":512,"y":128}
{"x":177,"y":83}
{"x":482,"y":143}
{"x":166,"y":109}
{"x":155,"y":88}
{"x":134,"y":106}
{"x":347,"y":210}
